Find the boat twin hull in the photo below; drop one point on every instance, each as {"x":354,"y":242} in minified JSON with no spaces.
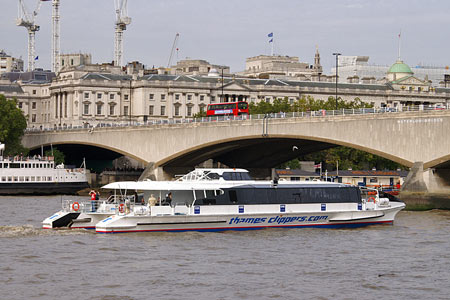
{"x":74,"y":220}
{"x":139,"y":223}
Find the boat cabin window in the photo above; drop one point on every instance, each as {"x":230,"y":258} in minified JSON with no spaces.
{"x":14,"y":165}
{"x":213,"y":175}
{"x":233,"y":196}
{"x":236,"y":176}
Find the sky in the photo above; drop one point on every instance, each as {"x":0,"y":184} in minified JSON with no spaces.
{"x":227,"y":32}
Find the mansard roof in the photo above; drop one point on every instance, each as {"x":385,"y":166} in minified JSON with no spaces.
{"x":11,"y":88}
{"x":105,"y":76}
{"x":240,"y":81}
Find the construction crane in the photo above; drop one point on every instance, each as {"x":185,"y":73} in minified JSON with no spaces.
{"x":55,"y":36}
{"x":174,"y":46}
{"x":26,"y":20}
{"x":122,"y":20}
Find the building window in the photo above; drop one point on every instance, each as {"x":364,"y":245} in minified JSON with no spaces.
{"x":99,"y":109}
{"x":189,"y":97}
{"x":213,"y":99}
{"x":202,"y":97}
{"x":71,"y":62}
{"x":111,"y":109}
{"x":33,"y":105}
{"x":125,"y":97}
{"x":202,"y":109}
{"x":62,"y":62}
{"x":177,"y":110}
{"x":33,"y":118}
{"x":177,"y":97}
{"x":86,"y":109}
{"x":151,"y":97}
{"x":34,"y":92}
{"x":125,"y":110}
{"x":163,"y":110}
{"x":150,"y":110}
{"x":189,"y":111}
{"x":20,"y":104}
{"x":99,"y":96}
{"x":163,"y":97}
{"x":86,"y":95}
{"x":111,"y":96}
{"x":268,"y":99}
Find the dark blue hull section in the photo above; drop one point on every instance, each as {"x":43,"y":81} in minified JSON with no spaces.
{"x":44,"y":188}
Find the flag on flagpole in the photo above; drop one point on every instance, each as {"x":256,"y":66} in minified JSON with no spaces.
{"x":36,"y":58}
{"x":318,"y":166}
{"x":270,"y":35}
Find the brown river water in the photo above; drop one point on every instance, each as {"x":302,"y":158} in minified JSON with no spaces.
{"x":407,"y":260}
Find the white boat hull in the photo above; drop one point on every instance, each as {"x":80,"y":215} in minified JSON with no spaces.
{"x":325,"y":219}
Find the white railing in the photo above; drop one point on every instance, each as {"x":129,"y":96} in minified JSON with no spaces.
{"x":281,"y":115}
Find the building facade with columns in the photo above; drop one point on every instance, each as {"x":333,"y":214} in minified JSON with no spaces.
{"x":93,"y":94}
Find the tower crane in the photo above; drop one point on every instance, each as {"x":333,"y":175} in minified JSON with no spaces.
{"x":122,"y":20}
{"x":174,"y":46}
{"x":26,"y":20}
{"x":55,"y":36}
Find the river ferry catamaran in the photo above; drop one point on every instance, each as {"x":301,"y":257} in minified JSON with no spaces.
{"x":38,"y":175}
{"x":228,"y":199}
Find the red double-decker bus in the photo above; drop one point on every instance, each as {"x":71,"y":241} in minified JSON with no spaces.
{"x":228,"y":108}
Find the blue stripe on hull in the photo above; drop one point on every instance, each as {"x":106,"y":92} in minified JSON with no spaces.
{"x":328,"y":225}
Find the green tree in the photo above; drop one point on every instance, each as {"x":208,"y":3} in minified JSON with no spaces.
{"x":12,"y":126}
{"x":59,"y":157}
{"x":200,"y":114}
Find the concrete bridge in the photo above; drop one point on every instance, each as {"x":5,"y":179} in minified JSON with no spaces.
{"x":420,"y":140}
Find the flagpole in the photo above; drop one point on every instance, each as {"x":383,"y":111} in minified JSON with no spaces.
{"x":272,"y":47}
{"x":399,"y":43}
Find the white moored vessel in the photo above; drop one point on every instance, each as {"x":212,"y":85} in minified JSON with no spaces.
{"x":227,"y":199}
{"x":39,"y":175}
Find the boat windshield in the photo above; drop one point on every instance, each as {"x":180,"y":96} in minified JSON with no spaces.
{"x":236,"y":176}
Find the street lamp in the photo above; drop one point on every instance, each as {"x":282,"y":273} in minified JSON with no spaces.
{"x":337,"y":57}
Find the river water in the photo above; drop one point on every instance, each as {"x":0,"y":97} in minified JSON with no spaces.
{"x":407,"y":260}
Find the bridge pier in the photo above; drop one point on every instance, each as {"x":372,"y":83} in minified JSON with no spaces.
{"x":415,"y":182}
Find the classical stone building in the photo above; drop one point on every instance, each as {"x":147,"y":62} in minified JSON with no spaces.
{"x":196,"y":67}
{"x":92,"y":94}
{"x":278,"y":66}
{"x":9,"y":63}
{"x":73,"y":60}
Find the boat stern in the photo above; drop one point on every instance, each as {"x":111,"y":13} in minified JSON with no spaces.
{"x":60,"y":219}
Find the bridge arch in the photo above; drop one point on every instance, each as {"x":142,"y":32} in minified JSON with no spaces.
{"x":287,"y":141}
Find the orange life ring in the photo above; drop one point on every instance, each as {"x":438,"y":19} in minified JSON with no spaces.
{"x":76,"y":206}
{"x":371,"y":199}
{"x":121,"y":208}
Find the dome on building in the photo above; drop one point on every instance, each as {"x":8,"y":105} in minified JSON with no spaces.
{"x":399,"y":70}
{"x":213,"y":73}
{"x":400,"y":67}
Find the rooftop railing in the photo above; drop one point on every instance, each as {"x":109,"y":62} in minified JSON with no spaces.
{"x":280,"y":115}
